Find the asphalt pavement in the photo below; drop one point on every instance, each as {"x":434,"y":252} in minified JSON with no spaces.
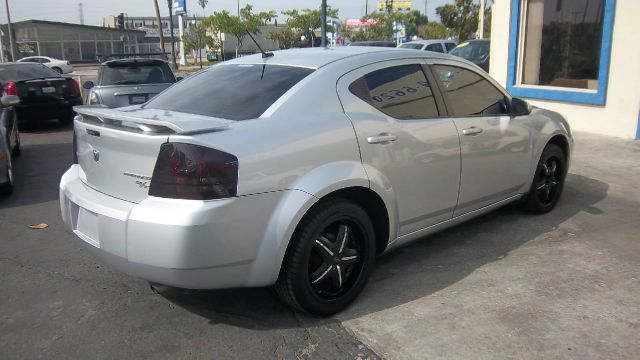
{"x":506,"y":285}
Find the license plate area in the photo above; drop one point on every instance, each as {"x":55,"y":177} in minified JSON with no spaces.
{"x":86,"y":225}
{"x":48,"y":90}
{"x":137,"y":99}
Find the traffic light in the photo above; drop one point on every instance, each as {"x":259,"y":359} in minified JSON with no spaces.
{"x":120,"y":21}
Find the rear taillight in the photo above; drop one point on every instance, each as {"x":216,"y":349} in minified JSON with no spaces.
{"x":187,"y":171}
{"x":11,"y":88}
{"x":76,"y":87}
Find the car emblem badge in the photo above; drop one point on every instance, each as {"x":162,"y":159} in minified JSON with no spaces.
{"x":96,"y":155}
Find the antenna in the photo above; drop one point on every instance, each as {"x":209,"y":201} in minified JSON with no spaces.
{"x":264,"y":54}
{"x":81,"y":13}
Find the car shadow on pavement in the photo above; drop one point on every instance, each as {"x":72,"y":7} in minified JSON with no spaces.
{"x":408,"y":273}
{"x":36,"y":176}
{"x":43,"y":126}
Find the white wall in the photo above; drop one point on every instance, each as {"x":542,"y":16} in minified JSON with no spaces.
{"x":619,"y":117}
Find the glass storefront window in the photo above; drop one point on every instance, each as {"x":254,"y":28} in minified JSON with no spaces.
{"x":562,"y":41}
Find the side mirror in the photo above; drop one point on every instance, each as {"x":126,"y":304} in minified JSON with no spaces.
{"x":88,"y":85}
{"x":179,"y":78}
{"x":520,"y":107}
{"x":9,"y":100}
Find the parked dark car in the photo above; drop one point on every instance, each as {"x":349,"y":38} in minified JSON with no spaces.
{"x":9,"y":142}
{"x":374,"y":43}
{"x":476,"y":51}
{"x":127,"y":82}
{"x":43,"y":93}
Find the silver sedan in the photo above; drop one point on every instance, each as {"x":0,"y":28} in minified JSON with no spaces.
{"x":297,"y":169}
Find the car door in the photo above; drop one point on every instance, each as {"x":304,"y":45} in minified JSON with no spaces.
{"x":401,"y":136}
{"x":495,"y":147}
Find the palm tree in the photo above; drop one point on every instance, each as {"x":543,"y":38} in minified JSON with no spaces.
{"x":203,"y":4}
{"x":159,"y":20}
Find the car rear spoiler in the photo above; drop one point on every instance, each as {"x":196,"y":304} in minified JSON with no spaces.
{"x":150,"y":121}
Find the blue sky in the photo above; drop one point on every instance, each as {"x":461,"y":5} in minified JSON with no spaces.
{"x":95,"y":10}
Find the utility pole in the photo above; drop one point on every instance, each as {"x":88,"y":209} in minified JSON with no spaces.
{"x":13,"y":58}
{"x":366,"y":7}
{"x":323,"y":26}
{"x":173,"y":46}
{"x":160,"y":30}
{"x":81,"y":13}
{"x":481,"y":20}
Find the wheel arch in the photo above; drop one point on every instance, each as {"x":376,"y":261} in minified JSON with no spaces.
{"x":297,"y":203}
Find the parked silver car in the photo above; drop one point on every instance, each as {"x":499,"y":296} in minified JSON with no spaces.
{"x":9,"y":142}
{"x":298,"y":169}
{"x":442,"y":46}
{"x":127,"y":82}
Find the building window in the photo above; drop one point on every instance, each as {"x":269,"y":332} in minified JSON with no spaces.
{"x":560,"y":49}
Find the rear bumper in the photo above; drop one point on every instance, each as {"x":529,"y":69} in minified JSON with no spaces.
{"x":183,"y":243}
{"x":50,"y":109}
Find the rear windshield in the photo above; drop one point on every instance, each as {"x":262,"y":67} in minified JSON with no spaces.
{"x":234,"y":92}
{"x":472,"y":50}
{"x":19,"y":72}
{"x":411,"y":46}
{"x":133,"y":74}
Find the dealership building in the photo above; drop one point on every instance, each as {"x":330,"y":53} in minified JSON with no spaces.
{"x":580,"y":58}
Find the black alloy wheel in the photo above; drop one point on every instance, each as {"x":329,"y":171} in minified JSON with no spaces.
{"x":548,"y":181}
{"x":329,"y":258}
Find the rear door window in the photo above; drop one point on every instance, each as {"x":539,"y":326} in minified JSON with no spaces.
{"x":469,"y":93}
{"x":450,"y":46}
{"x":133,"y":74}
{"x":437,"y":47}
{"x":234,"y":92}
{"x":402,"y":92}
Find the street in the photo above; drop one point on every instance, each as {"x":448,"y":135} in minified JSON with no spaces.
{"x":505,"y":285}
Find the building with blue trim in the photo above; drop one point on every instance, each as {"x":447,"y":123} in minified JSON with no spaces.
{"x":578,"y":57}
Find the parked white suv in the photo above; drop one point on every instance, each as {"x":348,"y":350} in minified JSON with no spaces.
{"x":441,"y":46}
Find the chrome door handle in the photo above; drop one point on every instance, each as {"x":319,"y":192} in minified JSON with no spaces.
{"x":383,"y":138}
{"x":471,"y":131}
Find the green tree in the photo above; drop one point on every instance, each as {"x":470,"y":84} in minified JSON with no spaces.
{"x":247,"y":23}
{"x":286,"y":38}
{"x":194,"y":38}
{"x":434,"y":30}
{"x":462,"y":17}
{"x":307,"y":21}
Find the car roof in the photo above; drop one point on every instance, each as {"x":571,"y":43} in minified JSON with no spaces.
{"x":316,"y":58}
{"x":141,"y":61}
{"x":427,"y":41}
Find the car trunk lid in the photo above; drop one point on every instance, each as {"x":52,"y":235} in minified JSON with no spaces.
{"x":124,"y":95}
{"x":117,"y":150}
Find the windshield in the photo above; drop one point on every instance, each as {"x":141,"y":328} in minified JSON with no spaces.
{"x":234,"y":92}
{"x":411,"y":46}
{"x":20,"y":72}
{"x":476,"y":50}
{"x":131,"y":73}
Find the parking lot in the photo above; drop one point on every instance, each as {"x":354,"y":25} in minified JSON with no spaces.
{"x":505,"y":285}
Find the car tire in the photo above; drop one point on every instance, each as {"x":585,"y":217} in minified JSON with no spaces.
{"x":7,"y":187}
{"x":329,"y":259}
{"x":16,"y":149}
{"x":548,"y":181}
{"x":59,"y":70}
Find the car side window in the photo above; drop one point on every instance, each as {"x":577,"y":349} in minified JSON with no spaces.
{"x":449,"y":46}
{"x":44,"y":61}
{"x":402,"y":92}
{"x":469,"y":93}
{"x":437,"y":47}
